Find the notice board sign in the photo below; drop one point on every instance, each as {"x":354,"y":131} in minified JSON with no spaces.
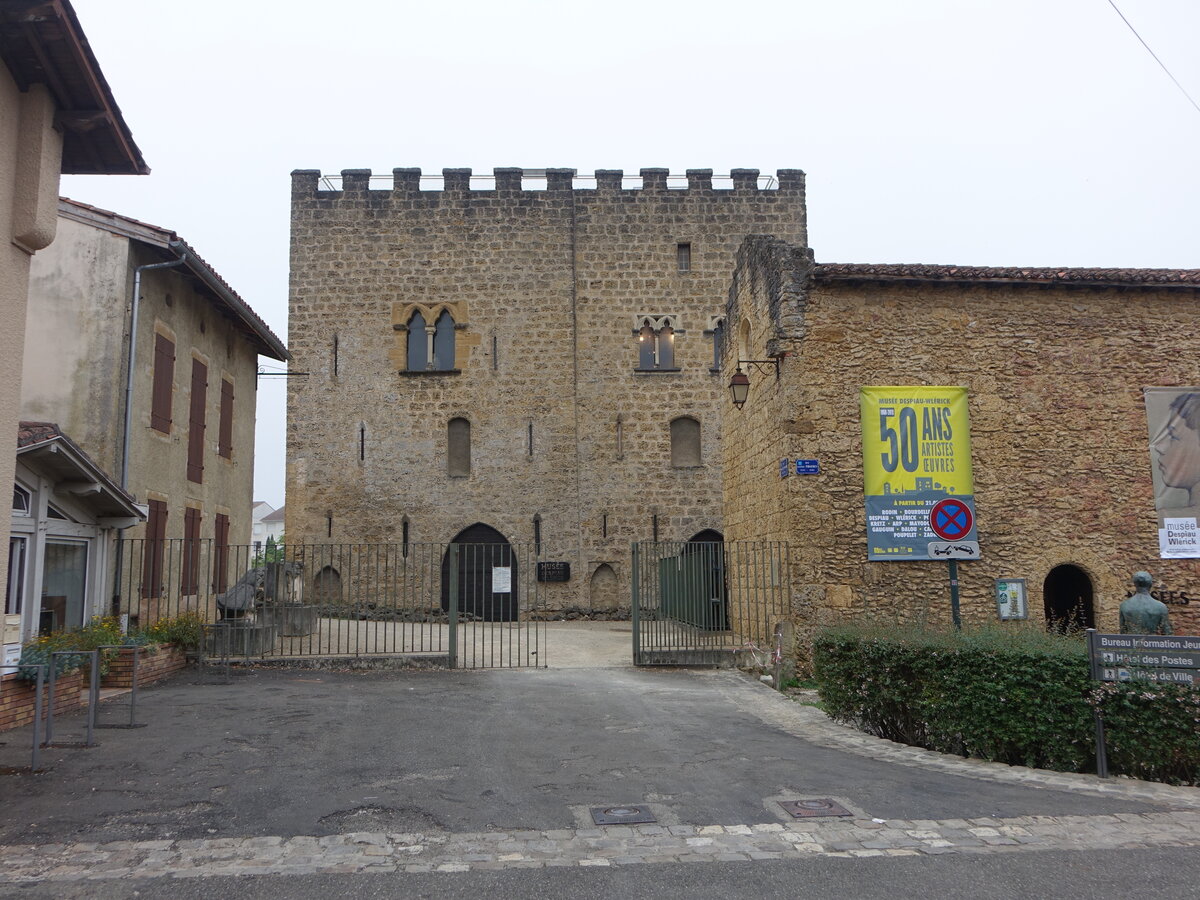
{"x":554,"y":571}
{"x":917,"y":477}
{"x":1010,"y":599}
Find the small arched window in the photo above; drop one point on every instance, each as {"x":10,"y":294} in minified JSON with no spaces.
{"x":685,"y":443}
{"x":458,"y":447}
{"x":443,"y":342}
{"x":418,"y":344}
{"x":646,"y":341}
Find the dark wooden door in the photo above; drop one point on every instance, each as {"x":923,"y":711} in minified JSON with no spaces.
{"x":485,"y":558}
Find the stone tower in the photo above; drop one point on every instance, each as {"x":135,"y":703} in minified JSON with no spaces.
{"x":537,"y":357}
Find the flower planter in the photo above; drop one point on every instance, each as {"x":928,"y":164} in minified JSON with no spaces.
{"x":154,"y":664}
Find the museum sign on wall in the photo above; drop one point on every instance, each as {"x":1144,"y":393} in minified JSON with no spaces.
{"x":1173,"y":415}
{"x":917,"y":473}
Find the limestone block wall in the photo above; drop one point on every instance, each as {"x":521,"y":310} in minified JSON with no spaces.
{"x":1059,"y":437}
{"x":546,"y":288}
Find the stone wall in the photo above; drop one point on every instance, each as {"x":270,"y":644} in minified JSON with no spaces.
{"x":1062,"y":467}
{"x":546,"y":288}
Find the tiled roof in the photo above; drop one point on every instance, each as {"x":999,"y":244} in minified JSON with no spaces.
{"x":276,"y":516}
{"x":33,"y":434}
{"x":1141,"y":278}
{"x":30,"y":433}
{"x":43,"y":43}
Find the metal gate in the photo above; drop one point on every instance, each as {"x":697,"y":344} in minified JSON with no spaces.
{"x":708,"y":603}
{"x":473,"y":605}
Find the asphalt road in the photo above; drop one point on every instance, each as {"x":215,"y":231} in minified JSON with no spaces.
{"x":285,"y":752}
{"x":280,"y":752}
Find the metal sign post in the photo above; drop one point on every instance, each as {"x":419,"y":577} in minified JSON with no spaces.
{"x":1101,"y":747}
{"x":954,"y":611}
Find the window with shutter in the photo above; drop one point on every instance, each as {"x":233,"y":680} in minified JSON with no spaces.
{"x":195,"y":457}
{"x":221,"y":555}
{"x":225,"y":438}
{"x":164,"y":376}
{"x":152,"y":550}
{"x":190,"y":579}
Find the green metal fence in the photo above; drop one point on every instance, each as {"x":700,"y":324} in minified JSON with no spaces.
{"x":707,"y":603}
{"x":476,"y":605}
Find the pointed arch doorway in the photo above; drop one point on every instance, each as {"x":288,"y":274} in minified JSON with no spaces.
{"x":487,"y":575}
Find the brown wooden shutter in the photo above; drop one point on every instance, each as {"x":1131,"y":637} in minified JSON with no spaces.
{"x":195,"y":457}
{"x":152,"y":550}
{"x":221,"y":555}
{"x":164,"y":377}
{"x":190,"y":580}
{"x":225,"y":437}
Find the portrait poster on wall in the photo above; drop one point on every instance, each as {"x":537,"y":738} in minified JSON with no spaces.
{"x":917,"y":477}
{"x":1173,"y":416}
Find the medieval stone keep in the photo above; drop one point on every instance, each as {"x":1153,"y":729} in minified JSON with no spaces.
{"x":541,"y":358}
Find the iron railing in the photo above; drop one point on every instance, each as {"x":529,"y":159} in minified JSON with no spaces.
{"x":711,"y":603}
{"x":479,"y":605}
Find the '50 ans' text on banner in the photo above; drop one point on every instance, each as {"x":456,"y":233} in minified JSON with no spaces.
{"x":917,"y":462}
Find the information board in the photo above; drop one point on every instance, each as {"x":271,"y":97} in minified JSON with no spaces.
{"x":1164,"y":659}
{"x":917,"y":473}
{"x":1010,"y":599}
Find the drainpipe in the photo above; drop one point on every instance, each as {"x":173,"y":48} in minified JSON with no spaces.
{"x":133,"y":317}
{"x":128,"y":424}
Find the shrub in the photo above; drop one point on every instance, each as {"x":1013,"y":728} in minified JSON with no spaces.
{"x":1018,"y":696}
{"x":1152,"y":731}
{"x":185,"y":630}
{"x":101,"y":631}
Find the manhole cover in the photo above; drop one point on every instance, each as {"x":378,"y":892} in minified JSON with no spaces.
{"x":808,"y":809}
{"x":623,"y":815}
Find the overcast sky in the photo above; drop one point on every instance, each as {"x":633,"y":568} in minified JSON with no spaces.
{"x":984,"y":132}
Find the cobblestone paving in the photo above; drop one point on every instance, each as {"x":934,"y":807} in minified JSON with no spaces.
{"x":613,"y":845}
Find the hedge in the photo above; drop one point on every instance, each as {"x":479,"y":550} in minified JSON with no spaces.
{"x":1018,"y":696}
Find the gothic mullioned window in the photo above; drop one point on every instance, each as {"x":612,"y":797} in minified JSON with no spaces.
{"x":656,"y":343}
{"x":431,"y":344}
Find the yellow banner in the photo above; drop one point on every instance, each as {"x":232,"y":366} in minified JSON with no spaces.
{"x":916,"y":439}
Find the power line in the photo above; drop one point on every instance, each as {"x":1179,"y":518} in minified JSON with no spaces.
{"x":1182,"y":89}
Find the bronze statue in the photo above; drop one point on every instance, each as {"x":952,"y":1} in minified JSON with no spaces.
{"x":1141,"y":613}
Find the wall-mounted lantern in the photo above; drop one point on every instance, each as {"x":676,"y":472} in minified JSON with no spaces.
{"x":739,"y":384}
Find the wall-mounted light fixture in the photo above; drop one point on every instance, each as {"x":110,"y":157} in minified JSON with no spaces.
{"x":739,"y":384}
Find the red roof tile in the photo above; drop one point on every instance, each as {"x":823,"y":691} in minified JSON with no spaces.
{"x":1140,"y":278}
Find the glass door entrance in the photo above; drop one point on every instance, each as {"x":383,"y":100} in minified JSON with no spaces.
{"x":64,"y":586}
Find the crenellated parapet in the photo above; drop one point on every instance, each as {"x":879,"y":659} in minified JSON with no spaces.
{"x":409,"y":182}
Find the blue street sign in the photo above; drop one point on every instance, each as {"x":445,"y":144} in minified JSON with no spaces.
{"x":784,"y":468}
{"x":808,"y":467}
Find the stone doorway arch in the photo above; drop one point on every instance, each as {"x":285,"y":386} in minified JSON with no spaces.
{"x":1069,"y":599}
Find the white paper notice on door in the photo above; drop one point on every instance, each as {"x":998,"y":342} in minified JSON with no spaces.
{"x":501,"y":580}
